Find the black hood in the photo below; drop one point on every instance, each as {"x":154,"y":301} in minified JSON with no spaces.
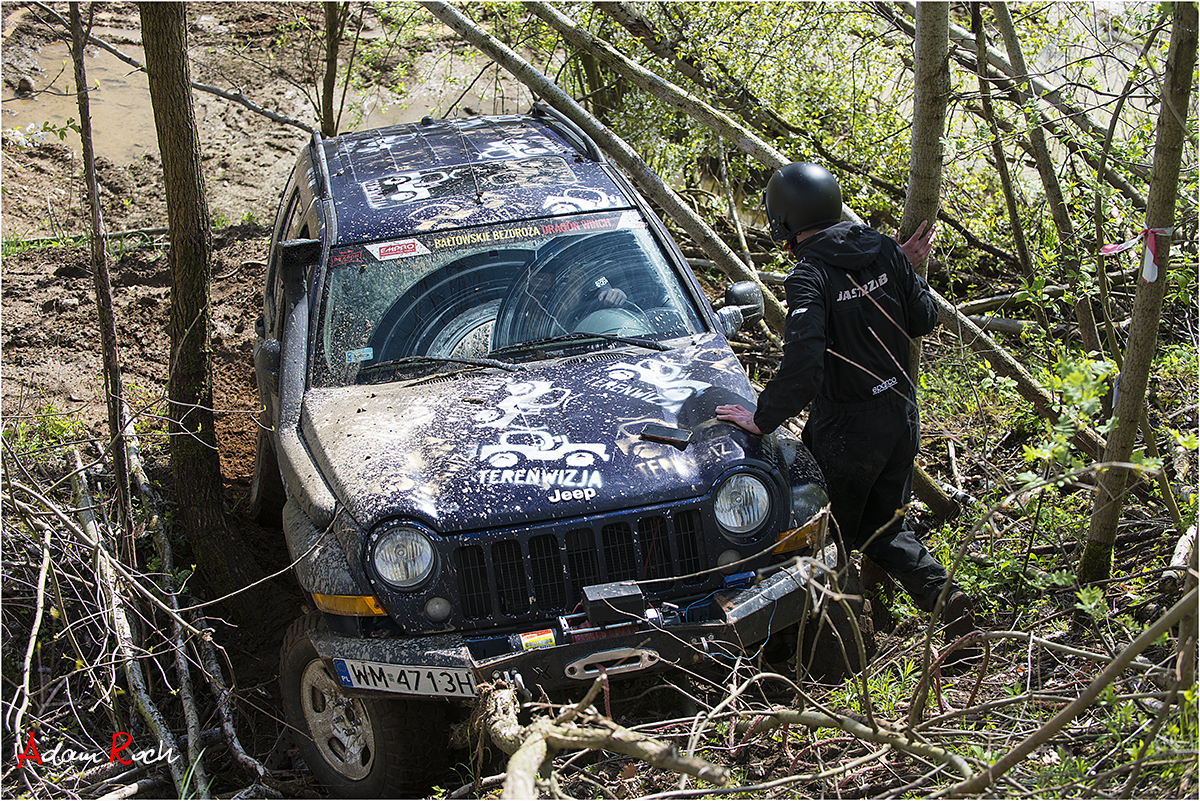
{"x":848,"y":246}
{"x":483,"y":450}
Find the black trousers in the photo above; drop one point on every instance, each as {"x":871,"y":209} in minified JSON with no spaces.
{"x":866,"y":453}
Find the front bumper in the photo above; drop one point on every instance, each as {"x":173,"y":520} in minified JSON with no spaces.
{"x":727,"y":623}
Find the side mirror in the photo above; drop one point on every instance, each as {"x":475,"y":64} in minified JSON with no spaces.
{"x":743,"y":307}
{"x":296,"y":256}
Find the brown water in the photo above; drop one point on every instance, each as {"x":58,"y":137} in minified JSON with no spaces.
{"x":122,"y":124}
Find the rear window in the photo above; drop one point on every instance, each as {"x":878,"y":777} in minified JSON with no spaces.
{"x":471,"y":293}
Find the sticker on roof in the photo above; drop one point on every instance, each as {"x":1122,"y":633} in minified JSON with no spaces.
{"x":469,"y":180}
{"x":400,"y":249}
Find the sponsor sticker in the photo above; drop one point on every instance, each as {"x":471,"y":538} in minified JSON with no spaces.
{"x":398,"y":249}
{"x":359,"y":355}
{"x":537,"y":639}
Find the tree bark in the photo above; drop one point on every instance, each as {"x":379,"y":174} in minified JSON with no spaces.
{"x":195,"y":466}
{"x":931,"y":90}
{"x":333,"y":34}
{"x":1096,"y":562}
{"x":113,"y":392}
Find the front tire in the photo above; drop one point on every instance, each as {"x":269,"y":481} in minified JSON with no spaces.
{"x":358,"y":747}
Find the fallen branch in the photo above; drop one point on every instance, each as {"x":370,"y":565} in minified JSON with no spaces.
{"x":107,"y":577}
{"x":1180,"y":559}
{"x":225,"y":707}
{"x":1023,"y":298}
{"x":135,"y":789}
{"x":529,"y":747}
{"x":883,"y":736}
{"x":23,"y":691}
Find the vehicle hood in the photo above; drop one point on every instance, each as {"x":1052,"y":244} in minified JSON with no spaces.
{"x":487,"y":450}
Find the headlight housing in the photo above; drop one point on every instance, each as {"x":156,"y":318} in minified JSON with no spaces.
{"x":743,"y":503}
{"x":403,"y":557}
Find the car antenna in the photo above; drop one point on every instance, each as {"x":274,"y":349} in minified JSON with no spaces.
{"x":470,"y":166}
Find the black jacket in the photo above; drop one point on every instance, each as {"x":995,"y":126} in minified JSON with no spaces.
{"x":854,"y":302}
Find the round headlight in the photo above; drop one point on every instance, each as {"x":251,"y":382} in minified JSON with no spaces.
{"x":743,"y":503}
{"x":403,"y":557}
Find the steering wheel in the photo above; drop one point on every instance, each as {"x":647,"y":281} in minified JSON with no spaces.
{"x":624,"y":319}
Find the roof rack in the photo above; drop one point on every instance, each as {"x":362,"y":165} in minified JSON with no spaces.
{"x":569,"y":130}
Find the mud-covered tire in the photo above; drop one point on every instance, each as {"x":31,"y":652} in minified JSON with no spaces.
{"x":267,"y":495}
{"x":358,"y":747}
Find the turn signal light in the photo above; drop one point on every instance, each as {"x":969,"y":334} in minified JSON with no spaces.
{"x":809,"y":534}
{"x":349,"y":605}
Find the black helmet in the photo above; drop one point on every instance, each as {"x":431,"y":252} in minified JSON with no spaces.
{"x":801,"y":196}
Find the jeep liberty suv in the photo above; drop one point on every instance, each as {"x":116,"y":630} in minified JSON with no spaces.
{"x":488,"y":382}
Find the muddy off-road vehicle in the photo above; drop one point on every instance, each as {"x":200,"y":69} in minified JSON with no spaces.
{"x":489,"y":383}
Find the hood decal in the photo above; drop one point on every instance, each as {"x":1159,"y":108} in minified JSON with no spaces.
{"x":481,"y":451}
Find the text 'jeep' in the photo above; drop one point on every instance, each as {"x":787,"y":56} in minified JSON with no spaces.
{"x":489,"y":383}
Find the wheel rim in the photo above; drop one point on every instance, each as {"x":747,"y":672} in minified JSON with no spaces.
{"x":339,"y":725}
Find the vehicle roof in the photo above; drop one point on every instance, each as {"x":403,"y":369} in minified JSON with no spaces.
{"x":444,"y":174}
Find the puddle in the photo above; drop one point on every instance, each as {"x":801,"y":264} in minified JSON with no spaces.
{"x":123,"y":122}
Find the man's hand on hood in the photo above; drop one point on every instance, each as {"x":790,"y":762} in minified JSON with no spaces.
{"x":739,"y":416}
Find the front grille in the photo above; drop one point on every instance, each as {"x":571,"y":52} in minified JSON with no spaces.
{"x":544,"y":571}
{"x":620,"y":555}
{"x":510,"y":578}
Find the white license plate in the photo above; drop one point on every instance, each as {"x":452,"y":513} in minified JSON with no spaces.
{"x":407,"y":679}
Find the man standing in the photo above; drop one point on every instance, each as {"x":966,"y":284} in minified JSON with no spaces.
{"x":854,"y":304}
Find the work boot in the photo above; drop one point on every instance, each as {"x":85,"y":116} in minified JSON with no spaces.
{"x":959,"y":617}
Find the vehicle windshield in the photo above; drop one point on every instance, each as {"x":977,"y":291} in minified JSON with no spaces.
{"x":494,"y":292}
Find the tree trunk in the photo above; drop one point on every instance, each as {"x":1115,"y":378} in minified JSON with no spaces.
{"x":194,"y":463}
{"x":931,"y":85}
{"x":931,"y":90}
{"x":113,"y":392}
{"x":332,"y":37}
{"x":1096,"y":561}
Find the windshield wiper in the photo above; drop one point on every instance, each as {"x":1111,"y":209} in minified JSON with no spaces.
{"x":581,"y":337}
{"x":512,"y":368}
